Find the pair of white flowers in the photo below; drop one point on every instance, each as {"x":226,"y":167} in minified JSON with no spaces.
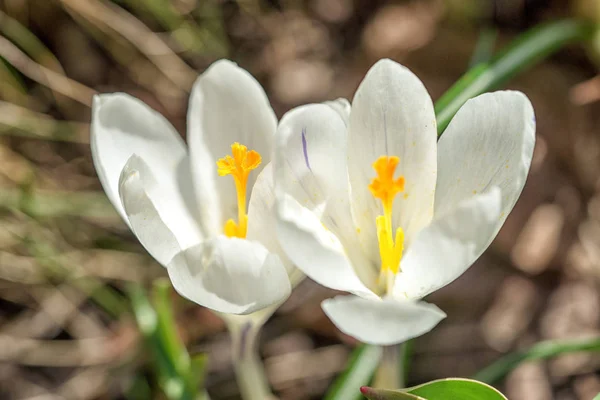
{"x":362,"y":198}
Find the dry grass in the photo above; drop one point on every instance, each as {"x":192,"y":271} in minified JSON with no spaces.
{"x":66,"y":331}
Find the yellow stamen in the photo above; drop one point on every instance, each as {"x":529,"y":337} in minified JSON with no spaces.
{"x":238,"y":166}
{"x":385,"y":188}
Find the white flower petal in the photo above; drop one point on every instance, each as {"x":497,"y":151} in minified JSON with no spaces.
{"x":316,"y":250}
{"x":311,"y":176}
{"x":248,"y":323}
{"x":123,"y":125}
{"x":227,"y":105}
{"x":488,"y":143}
{"x":342,"y":107}
{"x":382,"y":322}
{"x":392,"y":115}
{"x":262,"y":225}
{"x":145,"y":221}
{"x":449,"y":246}
{"x":310,"y":163}
{"x":230,"y":275}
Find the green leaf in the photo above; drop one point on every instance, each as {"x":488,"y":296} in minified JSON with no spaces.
{"x":484,"y":49}
{"x":443,"y":389}
{"x":359,"y":371}
{"x":178,"y":376}
{"x":456,"y":388}
{"x":167,"y":326}
{"x":139,"y":389}
{"x":528,"y":49}
{"x":198,"y":368}
{"x":386,"y":394}
{"x":597,"y":397}
{"x":406,"y":352}
{"x":547,"y":349}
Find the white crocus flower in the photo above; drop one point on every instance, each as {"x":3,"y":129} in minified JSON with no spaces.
{"x":188,"y":205}
{"x":370,"y":204}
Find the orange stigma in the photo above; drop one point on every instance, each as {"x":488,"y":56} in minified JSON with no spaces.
{"x":385,"y":188}
{"x":239,"y":167}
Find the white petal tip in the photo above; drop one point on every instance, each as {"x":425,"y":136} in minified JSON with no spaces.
{"x":232,"y":276}
{"x":382,"y":322}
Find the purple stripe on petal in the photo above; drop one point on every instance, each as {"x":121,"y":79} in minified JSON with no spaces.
{"x":304,"y":148}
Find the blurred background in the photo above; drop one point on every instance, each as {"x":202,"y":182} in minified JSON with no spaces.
{"x":67,"y":261}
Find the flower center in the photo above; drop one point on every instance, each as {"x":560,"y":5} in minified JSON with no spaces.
{"x":239,"y":167}
{"x":385,"y":188}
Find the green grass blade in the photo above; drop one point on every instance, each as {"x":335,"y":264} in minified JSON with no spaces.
{"x":542,"y":350}
{"x":484,"y":49}
{"x":360,"y":370}
{"x":174,"y":369}
{"x":528,"y":49}
{"x":406,"y":352}
{"x":167,"y":327}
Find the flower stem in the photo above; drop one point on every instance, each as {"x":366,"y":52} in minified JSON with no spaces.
{"x":393,"y":369}
{"x":388,"y":375}
{"x":249,"y":369}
